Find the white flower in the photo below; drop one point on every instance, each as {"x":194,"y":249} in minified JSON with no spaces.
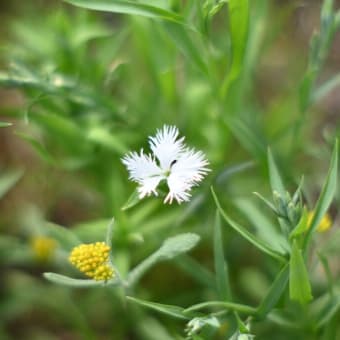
{"x":171,"y":160}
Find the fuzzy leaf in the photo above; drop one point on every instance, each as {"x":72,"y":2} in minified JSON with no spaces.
{"x":78,"y":283}
{"x":171,"y":247}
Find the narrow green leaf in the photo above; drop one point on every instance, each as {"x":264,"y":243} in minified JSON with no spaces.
{"x":274,"y":293}
{"x":268,"y":203}
{"x":299,"y":285}
{"x":302,"y":226}
{"x":246,"y":234}
{"x":171,"y":310}
{"x":186,"y":44}
{"x":222,"y":281}
{"x":250,"y":137}
{"x":238,"y":25}
{"x":265,"y":230}
{"x":8,"y":181}
{"x":78,"y":283}
{"x":325,"y":264}
{"x":235,"y":307}
{"x":132,"y":201}
{"x":274,"y":175}
{"x":127,"y":7}
{"x":326,"y":196}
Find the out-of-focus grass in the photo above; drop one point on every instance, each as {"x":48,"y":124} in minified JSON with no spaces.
{"x":82,"y":88}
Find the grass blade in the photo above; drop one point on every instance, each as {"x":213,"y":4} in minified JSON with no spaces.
{"x":221,"y":269}
{"x":239,"y":22}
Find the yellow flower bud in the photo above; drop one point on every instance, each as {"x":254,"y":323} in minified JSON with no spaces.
{"x":92,"y":260}
{"x":325,"y":223}
{"x":43,"y":247}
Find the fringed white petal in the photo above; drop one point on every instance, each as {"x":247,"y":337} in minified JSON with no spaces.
{"x":191,"y":166}
{"x":178,"y":189}
{"x":143,"y":170}
{"x":166,"y":147}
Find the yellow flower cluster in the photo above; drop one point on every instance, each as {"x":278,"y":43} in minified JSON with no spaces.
{"x":92,"y":260}
{"x":324,"y":224}
{"x":43,"y":247}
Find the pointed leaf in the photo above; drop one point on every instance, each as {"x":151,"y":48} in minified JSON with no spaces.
{"x":132,"y":201}
{"x":275,"y":292}
{"x":302,"y":226}
{"x":299,"y":285}
{"x":238,"y":25}
{"x":176,"y":245}
{"x":78,"y":283}
{"x":171,"y":247}
{"x":222,"y":281}
{"x":171,"y":310}
{"x":186,"y":44}
{"x":274,"y":174}
{"x":326,"y":196}
{"x":37,"y":146}
{"x":235,"y":307}
{"x":246,"y":234}
{"x":8,"y":180}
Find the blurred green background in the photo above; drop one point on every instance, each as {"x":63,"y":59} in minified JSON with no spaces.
{"x":82,"y":88}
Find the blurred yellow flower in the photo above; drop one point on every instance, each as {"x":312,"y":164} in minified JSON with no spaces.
{"x":92,"y":260}
{"x":325,"y":223}
{"x":43,"y":247}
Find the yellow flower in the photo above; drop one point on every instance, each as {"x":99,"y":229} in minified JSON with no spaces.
{"x":92,"y":260}
{"x":43,"y":247}
{"x":325,"y":223}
